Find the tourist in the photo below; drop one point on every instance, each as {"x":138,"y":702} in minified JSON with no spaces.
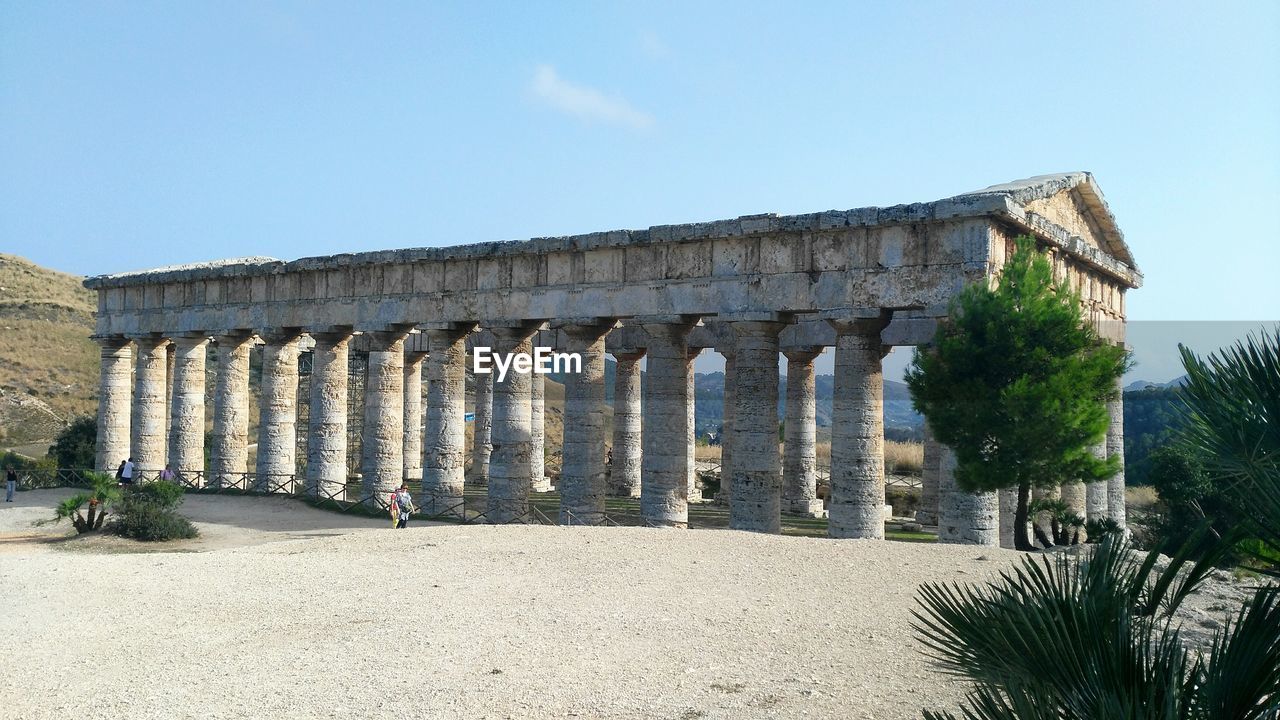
{"x":10,"y":483}
{"x":126,"y":472}
{"x":167,"y":473}
{"x":404,"y":506}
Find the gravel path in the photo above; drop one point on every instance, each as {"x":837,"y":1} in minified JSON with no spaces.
{"x":463,"y":621}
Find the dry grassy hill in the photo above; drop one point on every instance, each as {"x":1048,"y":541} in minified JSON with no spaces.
{"x":48,"y":364}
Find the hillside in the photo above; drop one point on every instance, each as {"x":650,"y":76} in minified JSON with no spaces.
{"x":48,"y":364}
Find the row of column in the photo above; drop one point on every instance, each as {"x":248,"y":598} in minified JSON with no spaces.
{"x":653,"y":449}
{"x":988,"y":518}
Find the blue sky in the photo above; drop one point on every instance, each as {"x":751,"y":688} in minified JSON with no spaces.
{"x":141,"y":134}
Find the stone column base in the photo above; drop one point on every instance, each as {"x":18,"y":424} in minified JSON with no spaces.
{"x":541,"y":485}
{"x":807,"y":508}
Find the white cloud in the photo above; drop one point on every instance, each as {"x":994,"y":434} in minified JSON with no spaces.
{"x":585,"y":102}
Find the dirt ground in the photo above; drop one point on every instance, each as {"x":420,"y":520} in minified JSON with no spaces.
{"x":280,"y":610}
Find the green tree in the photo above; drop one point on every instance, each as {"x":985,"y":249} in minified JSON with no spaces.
{"x":1017,"y":384}
{"x":76,"y":444}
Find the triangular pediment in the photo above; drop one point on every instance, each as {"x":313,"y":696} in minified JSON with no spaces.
{"x":1071,"y":202}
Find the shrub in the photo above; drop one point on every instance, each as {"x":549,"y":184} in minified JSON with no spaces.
{"x":905,"y":501}
{"x":148,"y":512}
{"x":76,"y":444}
{"x":101,"y":494}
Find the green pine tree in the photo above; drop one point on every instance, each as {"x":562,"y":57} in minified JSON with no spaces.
{"x":1017,"y":384}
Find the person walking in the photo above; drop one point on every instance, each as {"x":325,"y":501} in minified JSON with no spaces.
{"x":10,"y":483}
{"x":404,"y":505}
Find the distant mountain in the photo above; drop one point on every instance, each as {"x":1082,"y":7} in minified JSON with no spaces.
{"x":1137,"y":385}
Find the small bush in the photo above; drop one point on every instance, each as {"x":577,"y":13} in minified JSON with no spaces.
{"x":76,"y":444}
{"x":148,"y":512}
{"x":905,"y":501}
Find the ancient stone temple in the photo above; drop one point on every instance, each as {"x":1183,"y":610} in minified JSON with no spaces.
{"x":756,"y":289}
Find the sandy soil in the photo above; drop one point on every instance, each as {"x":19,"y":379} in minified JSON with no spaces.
{"x":283,"y":611}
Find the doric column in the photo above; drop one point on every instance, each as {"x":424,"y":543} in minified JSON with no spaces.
{"x":1075,"y":495}
{"x":482,"y":437}
{"x":1095,"y":493}
{"x":1115,"y":448}
{"x":229,"y":450}
{"x":509,"y":472}
{"x":664,"y":486}
{"x":582,"y":476}
{"x":114,"y":403}
{"x":170,"y":366}
{"x":1008,"y":501}
{"x":148,"y":423}
{"x":413,"y":415}
{"x":799,"y":460}
{"x":624,"y":470}
{"x":186,"y":410}
{"x":928,"y":512}
{"x":964,"y":518}
{"x":382,"y":459}
{"x":757,"y":468}
{"x":726,"y":429}
{"x":538,"y":480}
{"x":278,"y":412}
{"x":694,"y":493}
{"x":327,"y":419}
{"x":444,"y":451}
{"x":856,"y":507}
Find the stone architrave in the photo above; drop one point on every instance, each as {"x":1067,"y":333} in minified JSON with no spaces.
{"x":412,"y":446}
{"x":856,"y":505}
{"x":664,"y":487}
{"x":278,"y":412}
{"x":444,"y":450}
{"x":187,"y":409}
{"x":229,"y":448}
{"x":799,"y":460}
{"x":149,"y":391}
{"x":327,"y":421}
{"x":382,"y":460}
{"x":115,"y":405}
{"x":582,"y":478}
{"x":756,"y":503}
{"x":509,"y":471}
{"x":624,"y":468}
